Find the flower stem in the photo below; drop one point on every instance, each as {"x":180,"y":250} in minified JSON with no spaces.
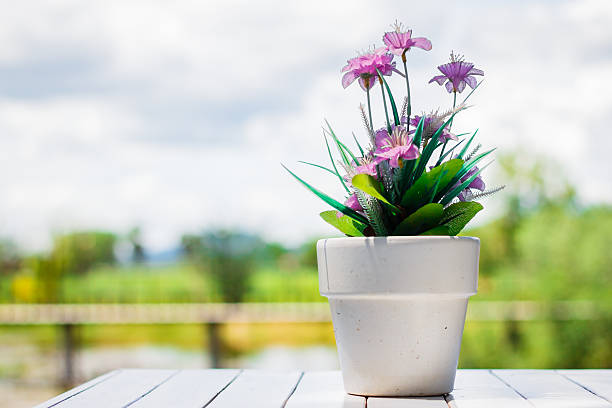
{"x":370,"y":109}
{"x":454,"y":104}
{"x":385,"y":104}
{"x":449,"y":125}
{"x":408,"y":106}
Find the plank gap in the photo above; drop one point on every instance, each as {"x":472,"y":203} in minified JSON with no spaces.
{"x":105,"y":377}
{"x":583,"y":386}
{"x":152,"y":389}
{"x":511,"y":387}
{"x":293,"y":390}
{"x":223,"y":389}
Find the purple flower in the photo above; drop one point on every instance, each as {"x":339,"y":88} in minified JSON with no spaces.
{"x":399,"y":42}
{"x":364,"y":67}
{"x":457,"y":73}
{"x":477,"y":184}
{"x":353,"y":203}
{"x":395,"y":146}
{"x":366,"y":165}
{"x":431,"y":124}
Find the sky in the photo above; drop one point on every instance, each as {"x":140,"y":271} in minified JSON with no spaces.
{"x":175,"y":116}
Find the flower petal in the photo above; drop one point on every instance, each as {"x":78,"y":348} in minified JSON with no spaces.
{"x":439,"y":79}
{"x":478,"y":184}
{"x":362,"y":83}
{"x":471,"y":81}
{"x":382,"y":139}
{"x":461,"y":86}
{"x":476,"y":71}
{"x":409,"y":152}
{"x":422,"y":43}
{"x":449,"y":86}
{"x":348,"y":78}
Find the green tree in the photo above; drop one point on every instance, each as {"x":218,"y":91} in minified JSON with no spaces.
{"x":78,"y":252}
{"x":229,"y":257}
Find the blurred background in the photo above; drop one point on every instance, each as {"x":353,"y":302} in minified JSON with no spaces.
{"x":140,"y":150}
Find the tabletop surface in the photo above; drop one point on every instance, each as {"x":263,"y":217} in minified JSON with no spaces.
{"x":256,"y":388}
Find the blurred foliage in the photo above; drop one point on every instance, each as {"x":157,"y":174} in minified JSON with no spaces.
{"x":40,"y":276}
{"x":544,"y":247}
{"x":228,"y":257}
{"x":10,"y":259}
{"x":135,"y":239}
{"x":77,"y":252}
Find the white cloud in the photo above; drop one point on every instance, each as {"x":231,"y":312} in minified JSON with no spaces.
{"x":175,"y":116}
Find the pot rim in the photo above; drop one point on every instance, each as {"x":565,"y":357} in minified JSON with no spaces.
{"x":404,"y":238}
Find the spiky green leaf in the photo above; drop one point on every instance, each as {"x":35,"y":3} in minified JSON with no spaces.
{"x":431,"y":147}
{"x":418,"y":133}
{"x":358,"y":145}
{"x":467,"y":145}
{"x":335,"y":204}
{"x":342,"y":148}
{"x":420,"y":192}
{"x":331,"y":158}
{"x":464,"y":170}
{"x":455,"y":191}
{"x":318,"y":166}
{"x":396,"y":117}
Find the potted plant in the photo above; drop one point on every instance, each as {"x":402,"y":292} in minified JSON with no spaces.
{"x":399,"y":283}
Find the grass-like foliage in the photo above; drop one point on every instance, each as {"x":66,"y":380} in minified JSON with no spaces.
{"x":413,"y":176}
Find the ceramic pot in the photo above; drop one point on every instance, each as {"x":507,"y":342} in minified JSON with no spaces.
{"x":398,"y":306}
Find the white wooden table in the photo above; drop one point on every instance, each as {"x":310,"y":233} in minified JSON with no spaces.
{"x":253,"y":388}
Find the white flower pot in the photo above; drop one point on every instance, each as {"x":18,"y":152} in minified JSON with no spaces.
{"x":398,"y":307}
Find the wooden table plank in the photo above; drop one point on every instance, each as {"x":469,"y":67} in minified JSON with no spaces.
{"x":481,"y":389}
{"x":258,"y":389}
{"x":547,"y":389}
{"x":188,"y":389}
{"x":597,"y":381}
{"x":323,"y":389}
{"x":119,"y":390}
{"x":81,"y":388}
{"x":420,"y":402}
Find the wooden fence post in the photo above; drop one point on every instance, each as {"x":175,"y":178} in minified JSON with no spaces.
{"x":214,"y":344}
{"x":69,"y":344}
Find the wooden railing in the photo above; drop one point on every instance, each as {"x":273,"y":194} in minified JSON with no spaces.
{"x":67,"y":317}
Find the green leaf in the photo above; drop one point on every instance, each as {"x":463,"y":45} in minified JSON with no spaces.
{"x":335,"y":204}
{"x":341,"y":146}
{"x":396,"y":117}
{"x":472,"y":162}
{"x":358,"y":145}
{"x":331,"y":158}
{"x":317,"y":165}
{"x":418,"y":133}
{"x":464,"y":170}
{"x":467,"y":145}
{"x":420,"y":192}
{"x":431,"y":147}
{"x":439,"y":230}
{"x":370,"y":186}
{"x":345,"y":224}
{"x":455,"y":192}
{"x":421,"y":220}
{"x":457,"y":215}
{"x":449,"y":152}
{"x":471,"y":92}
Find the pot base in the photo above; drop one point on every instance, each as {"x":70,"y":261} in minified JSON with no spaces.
{"x":398,"y":347}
